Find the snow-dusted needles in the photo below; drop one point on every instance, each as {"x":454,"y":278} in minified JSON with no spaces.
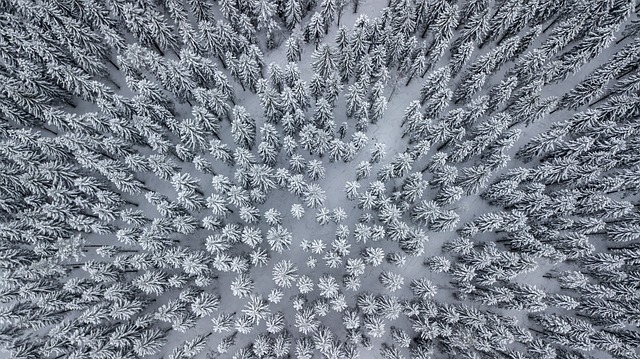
{"x":397,"y":179}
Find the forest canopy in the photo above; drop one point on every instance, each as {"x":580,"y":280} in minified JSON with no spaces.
{"x":399,"y":179}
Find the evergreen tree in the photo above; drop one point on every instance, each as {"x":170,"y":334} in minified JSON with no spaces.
{"x":284,"y":273}
{"x":594,"y":84}
{"x":469,"y":87}
{"x":279,"y":238}
{"x":314,"y":31}
{"x":243,"y":127}
{"x":502,"y":20}
{"x":391,"y":281}
{"x":294,"y":52}
{"x":329,"y":12}
{"x":292,"y":13}
{"x":403,"y":17}
{"x":324,"y":63}
{"x":435,"y":82}
{"x":586,"y":49}
{"x":474,"y":29}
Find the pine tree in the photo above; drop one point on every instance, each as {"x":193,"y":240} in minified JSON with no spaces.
{"x":324,"y":60}
{"x":502,"y":20}
{"x":445,"y":22}
{"x":595,"y":82}
{"x":474,"y":29}
{"x":256,"y":309}
{"x":333,"y":88}
{"x":472,"y":7}
{"x":243,"y":127}
{"x":374,"y":325}
{"x":378,"y":103}
{"x":434,"y":83}
{"x":301,"y":94}
{"x":461,"y":57}
{"x":329,"y":11}
{"x":292,"y":13}
{"x":391,"y":281}
{"x":264,"y":11}
{"x":315,"y":29}
{"x":294,"y":51}
{"x":500,"y":93}
{"x":243,"y":69}
{"x":279,"y":238}
{"x":469,"y":87}
{"x":402,"y":17}
{"x":149,"y":342}
{"x":284,"y":273}
{"x":288,"y":103}
{"x":314,"y":196}
{"x":315,"y":170}
{"x":589,"y":47}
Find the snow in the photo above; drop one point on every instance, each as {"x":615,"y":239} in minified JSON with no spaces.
{"x":387,"y":131}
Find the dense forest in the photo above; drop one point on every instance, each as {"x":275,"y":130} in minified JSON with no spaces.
{"x":340,"y":179}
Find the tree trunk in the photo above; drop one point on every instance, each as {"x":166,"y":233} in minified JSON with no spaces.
{"x":131,"y":203}
{"x":427,"y":69}
{"x":153,"y":42}
{"x":626,"y":73}
{"x":113,"y":63}
{"x":393,"y":91}
{"x":502,"y":38}
{"x":551,"y":24}
{"x":175,"y":155}
{"x":409,"y":80}
{"x":604,"y":97}
{"x":484,"y":42}
{"x":537,"y":331}
{"x":621,"y":39}
{"x":112,"y":82}
{"x":107,"y":156}
{"x":74,"y":265}
{"x":224,"y":64}
{"x":50,"y":131}
{"x":175,"y":53}
{"x":513,"y":124}
{"x":424,"y":32}
{"x":444,"y":144}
